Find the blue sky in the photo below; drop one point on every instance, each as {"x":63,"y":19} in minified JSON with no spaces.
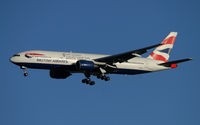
{"x":105,"y":27}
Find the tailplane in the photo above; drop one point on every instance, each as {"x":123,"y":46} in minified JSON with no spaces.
{"x":173,"y":64}
{"x":162,"y":52}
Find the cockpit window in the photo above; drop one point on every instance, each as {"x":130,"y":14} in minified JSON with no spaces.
{"x":16,"y":55}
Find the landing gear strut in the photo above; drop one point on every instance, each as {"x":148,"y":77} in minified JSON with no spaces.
{"x":103,"y":77}
{"x":25,"y":71}
{"x":87,"y":80}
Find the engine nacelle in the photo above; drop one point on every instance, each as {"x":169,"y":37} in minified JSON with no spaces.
{"x":59,"y":74}
{"x":85,"y":65}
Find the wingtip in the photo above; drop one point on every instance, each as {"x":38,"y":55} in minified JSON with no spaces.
{"x":190,"y":58}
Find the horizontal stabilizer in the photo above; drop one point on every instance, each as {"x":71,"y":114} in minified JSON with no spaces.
{"x":168,"y":64}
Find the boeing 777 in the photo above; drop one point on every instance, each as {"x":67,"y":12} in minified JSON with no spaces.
{"x":62,"y":64}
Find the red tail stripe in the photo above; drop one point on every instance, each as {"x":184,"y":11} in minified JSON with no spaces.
{"x":169,"y":40}
{"x":158,"y":57}
{"x":37,"y":54}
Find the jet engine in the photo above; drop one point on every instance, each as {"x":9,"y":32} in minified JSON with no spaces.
{"x":85,"y":65}
{"x":59,"y":74}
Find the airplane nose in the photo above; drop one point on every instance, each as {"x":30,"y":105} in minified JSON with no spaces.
{"x":12,"y":59}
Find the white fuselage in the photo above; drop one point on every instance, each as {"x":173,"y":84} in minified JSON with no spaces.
{"x":68,"y":60}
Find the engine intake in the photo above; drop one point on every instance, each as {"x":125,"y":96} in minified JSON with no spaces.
{"x":85,"y":65}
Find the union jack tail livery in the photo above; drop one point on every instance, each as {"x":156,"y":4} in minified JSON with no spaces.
{"x":162,"y":52}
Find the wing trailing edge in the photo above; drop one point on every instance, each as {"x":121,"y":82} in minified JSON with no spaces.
{"x":123,"y":57}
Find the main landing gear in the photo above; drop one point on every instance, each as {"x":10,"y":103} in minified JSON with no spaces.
{"x":103,"y":77}
{"x":25,"y":71}
{"x":87,"y":80}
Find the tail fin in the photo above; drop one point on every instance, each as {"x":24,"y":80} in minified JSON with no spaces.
{"x":162,"y":52}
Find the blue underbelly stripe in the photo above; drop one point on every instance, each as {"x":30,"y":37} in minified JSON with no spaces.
{"x":47,"y":66}
{"x":73,"y":68}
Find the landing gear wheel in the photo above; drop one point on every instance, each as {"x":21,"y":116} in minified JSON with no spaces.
{"x":25,"y":74}
{"x":92,"y":83}
{"x":103,"y":77}
{"x":87,"y":75}
{"x":107,"y":79}
{"x":88,"y":81}
{"x":99,"y":76}
{"x":84,"y":80}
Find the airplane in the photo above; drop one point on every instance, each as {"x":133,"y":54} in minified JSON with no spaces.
{"x":62,"y":64}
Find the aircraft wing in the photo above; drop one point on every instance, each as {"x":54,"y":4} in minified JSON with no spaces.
{"x":123,"y":57}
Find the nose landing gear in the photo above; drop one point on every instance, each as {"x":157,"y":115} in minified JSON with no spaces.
{"x":25,"y":71}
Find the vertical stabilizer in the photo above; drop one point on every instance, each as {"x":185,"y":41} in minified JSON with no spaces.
{"x":162,"y":52}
